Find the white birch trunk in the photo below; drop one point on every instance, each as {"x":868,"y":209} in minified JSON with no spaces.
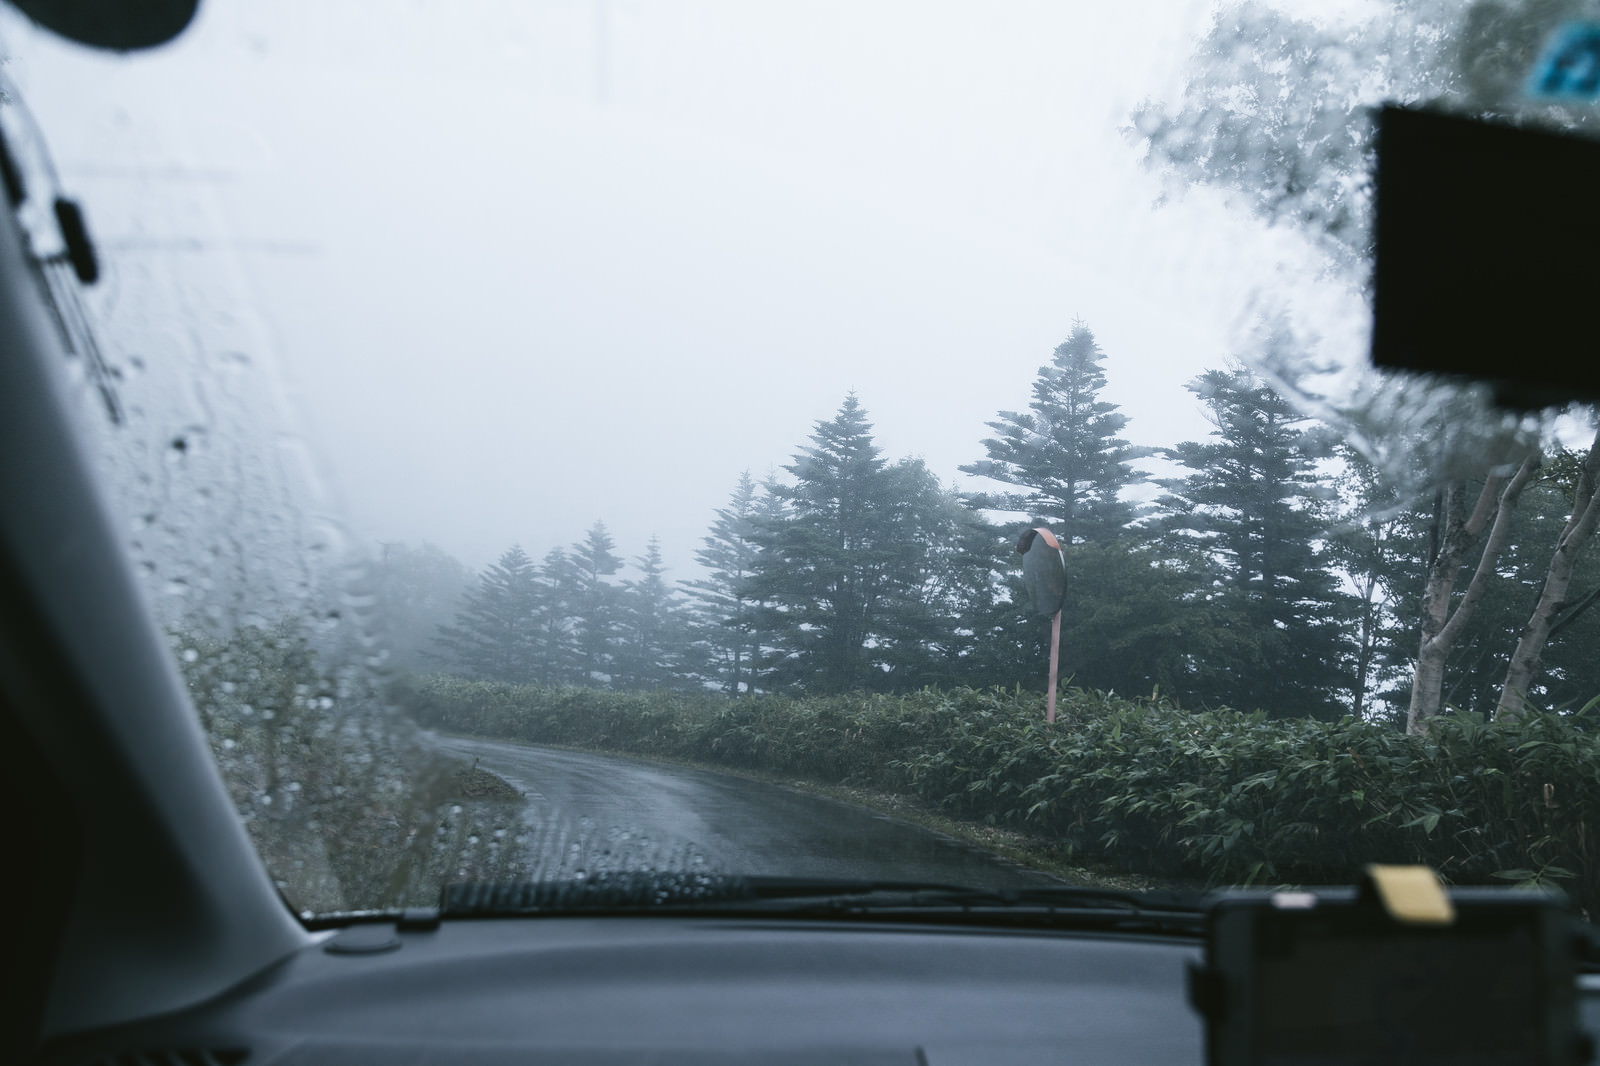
{"x":1441,"y":626}
{"x":1524,"y":666}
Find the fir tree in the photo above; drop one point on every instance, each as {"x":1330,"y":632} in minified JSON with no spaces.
{"x":725,"y":615}
{"x":492,"y":635}
{"x":555,"y":649}
{"x":1252,"y":520}
{"x":593,"y":604}
{"x":650,"y":650}
{"x":842,"y":575}
{"x":1064,"y":455}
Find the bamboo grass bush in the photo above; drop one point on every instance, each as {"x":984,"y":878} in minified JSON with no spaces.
{"x":1218,"y":795}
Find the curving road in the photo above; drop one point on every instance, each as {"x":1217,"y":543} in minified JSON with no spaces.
{"x":596,"y":812}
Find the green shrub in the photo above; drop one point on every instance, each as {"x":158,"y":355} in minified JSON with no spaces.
{"x":343,"y":804}
{"x":1216,"y":795}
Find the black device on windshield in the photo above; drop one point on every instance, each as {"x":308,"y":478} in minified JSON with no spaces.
{"x":1391,"y":972}
{"x":1485,"y":254}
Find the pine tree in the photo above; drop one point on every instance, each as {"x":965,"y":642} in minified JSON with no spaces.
{"x":1064,"y":454}
{"x":650,"y":651}
{"x":725,"y":616}
{"x":555,"y":649}
{"x":593,"y":604}
{"x":842,"y":575}
{"x":1252,"y":518}
{"x":1129,"y":624}
{"x":931,"y":579}
{"x":492,"y":635}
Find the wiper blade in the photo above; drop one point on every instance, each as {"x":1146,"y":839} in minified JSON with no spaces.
{"x":1065,"y":906}
{"x":605,"y":891}
{"x":1068,"y":906}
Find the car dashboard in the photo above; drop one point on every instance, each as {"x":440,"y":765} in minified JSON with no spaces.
{"x":608,"y":991}
{"x":125,"y":970}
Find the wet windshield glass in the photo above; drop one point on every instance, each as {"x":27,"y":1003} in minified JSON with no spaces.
{"x":590,"y":437}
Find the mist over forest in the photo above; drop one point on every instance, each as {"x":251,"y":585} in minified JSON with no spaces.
{"x":1275,"y":570}
{"x":1278,"y":562}
{"x":1353,"y":557}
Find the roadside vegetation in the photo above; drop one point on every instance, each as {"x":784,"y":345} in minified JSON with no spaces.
{"x":1393,"y":584}
{"x":1140,"y":785}
{"x":1278,"y":569}
{"x":345,"y":804}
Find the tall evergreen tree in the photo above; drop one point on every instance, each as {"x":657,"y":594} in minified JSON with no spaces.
{"x":772,"y":510}
{"x":1064,"y":456}
{"x":555,"y":648}
{"x":725,"y":615}
{"x":842,"y":575}
{"x":934,"y":573}
{"x":1253,"y":518}
{"x":1131,"y":623}
{"x":492,"y":635}
{"x":593,"y":604}
{"x":650,"y":651}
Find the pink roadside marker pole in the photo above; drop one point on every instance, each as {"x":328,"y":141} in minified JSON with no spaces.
{"x":1044,"y":572}
{"x":1055,"y":661}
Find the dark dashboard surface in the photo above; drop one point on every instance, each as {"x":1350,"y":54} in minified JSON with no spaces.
{"x":671,"y":990}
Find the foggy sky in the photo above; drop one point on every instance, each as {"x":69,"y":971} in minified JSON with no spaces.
{"x":511,"y":268}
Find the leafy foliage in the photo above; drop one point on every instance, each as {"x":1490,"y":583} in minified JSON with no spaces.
{"x":1277,"y":106}
{"x":1282,"y":572}
{"x":1219,"y":796}
{"x":344,"y":804}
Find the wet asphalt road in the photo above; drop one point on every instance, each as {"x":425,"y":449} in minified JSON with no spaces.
{"x":586,"y":813}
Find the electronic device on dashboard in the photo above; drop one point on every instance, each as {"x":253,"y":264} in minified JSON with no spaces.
{"x":1485,"y":254}
{"x":1395,"y":971}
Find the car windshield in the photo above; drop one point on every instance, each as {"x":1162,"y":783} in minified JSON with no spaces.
{"x":583,"y":438}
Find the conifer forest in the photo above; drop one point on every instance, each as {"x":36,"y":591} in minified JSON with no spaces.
{"x":1271,"y":569}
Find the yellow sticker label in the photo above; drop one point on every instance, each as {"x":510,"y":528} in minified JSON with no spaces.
{"x":1413,"y":895}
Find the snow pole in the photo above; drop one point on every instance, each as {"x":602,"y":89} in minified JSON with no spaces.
{"x":1044,"y":571}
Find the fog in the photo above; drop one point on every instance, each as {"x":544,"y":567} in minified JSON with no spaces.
{"x":507,"y":269}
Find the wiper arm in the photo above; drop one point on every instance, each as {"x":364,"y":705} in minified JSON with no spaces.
{"x":1067,"y":906}
{"x":653,"y":890}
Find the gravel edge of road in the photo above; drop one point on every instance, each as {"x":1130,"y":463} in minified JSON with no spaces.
{"x":1024,"y":849}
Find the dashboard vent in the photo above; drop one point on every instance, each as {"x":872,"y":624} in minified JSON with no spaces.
{"x":176,"y":1057}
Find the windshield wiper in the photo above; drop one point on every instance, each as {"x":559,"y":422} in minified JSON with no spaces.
{"x":1065,"y":906}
